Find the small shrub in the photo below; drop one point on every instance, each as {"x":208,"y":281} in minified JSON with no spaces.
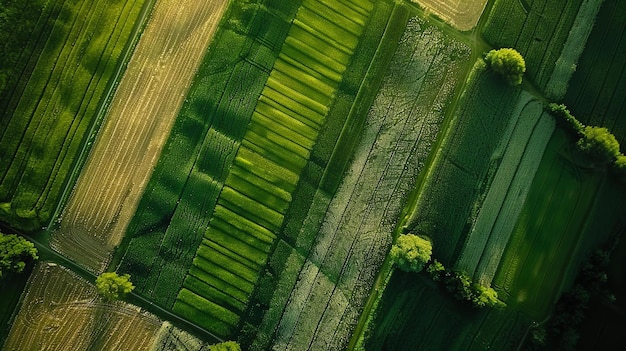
{"x":508,"y":63}
{"x":600,"y":144}
{"x":565,"y":119}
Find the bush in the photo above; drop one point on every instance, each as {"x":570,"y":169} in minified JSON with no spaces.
{"x":225,"y":346}
{"x":508,"y":63}
{"x":565,"y":119}
{"x":436,"y":270}
{"x":15,"y":252}
{"x":113,"y":286}
{"x":600,"y":144}
{"x":411,"y":252}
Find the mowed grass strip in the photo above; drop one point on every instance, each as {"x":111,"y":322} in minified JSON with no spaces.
{"x":42,"y":137}
{"x":276,"y":147}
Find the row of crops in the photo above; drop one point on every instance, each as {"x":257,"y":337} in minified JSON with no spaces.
{"x":519,"y":158}
{"x":592,"y":95}
{"x":284,"y":126}
{"x":46,"y":122}
{"x":175,"y":209}
{"x":352,"y":230}
{"x":541,"y":30}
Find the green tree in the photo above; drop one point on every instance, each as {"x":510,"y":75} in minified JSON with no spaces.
{"x":225,"y":346}
{"x":15,"y":252}
{"x":508,"y":63}
{"x":411,"y":252}
{"x":485,"y":296}
{"x":113,"y":286}
{"x":599,"y":143}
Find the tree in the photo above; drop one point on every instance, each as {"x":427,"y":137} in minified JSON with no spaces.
{"x":485,"y":296}
{"x":411,"y":252}
{"x":113,"y":286}
{"x":599,"y":143}
{"x":15,"y":252}
{"x":508,"y":63}
{"x":225,"y":346}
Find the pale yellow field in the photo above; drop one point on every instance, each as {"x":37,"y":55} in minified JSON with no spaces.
{"x":461,"y":14}
{"x":62,"y":311}
{"x":137,"y":125}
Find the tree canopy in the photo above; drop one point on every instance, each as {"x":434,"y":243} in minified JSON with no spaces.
{"x":508,"y":63}
{"x":599,"y":143}
{"x":113,"y":286}
{"x":15,"y":252}
{"x":411,"y":252}
{"x":225,"y":346}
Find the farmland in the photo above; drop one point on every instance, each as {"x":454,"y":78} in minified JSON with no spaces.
{"x":568,"y":210}
{"x":49,"y":114}
{"x":151,"y":91}
{"x":549,"y":34}
{"x":462,"y":15}
{"x":354,"y":226}
{"x":61,"y":311}
{"x":172,"y":217}
{"x":250,"y":164}
{"x":593,"y":94}
{"x":442,"y":324}
{"x":519,"y":160}
{"x":266,"y":169}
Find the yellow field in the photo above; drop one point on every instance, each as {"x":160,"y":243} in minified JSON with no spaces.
{"x":460,"y":14}
{"x":138,"y":123}
{"x":62,"y":311}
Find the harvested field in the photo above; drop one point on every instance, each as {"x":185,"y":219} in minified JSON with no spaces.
{"x":460,"y":14}
{"x":520,"y":156}
{"x":353,"y":233}
{"x":61,"y":311}
{"x":596,"y":92}
{"x":138,"y":123}
{"x":48,"y":116}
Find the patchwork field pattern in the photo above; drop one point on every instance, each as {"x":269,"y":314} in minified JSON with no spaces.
{"x":593,"y":96}
{"x":461,"y":14}
{"x":539,"y":30}
{"x":353,"y":234}
{"x":46,"y":122}
{"x":519,"y":156}
{"x":64,"y":312}
{"x":138,"y":123}
{"x":275,"y":148}
{"x":175,"y":209}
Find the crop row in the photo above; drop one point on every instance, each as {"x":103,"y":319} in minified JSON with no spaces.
{"x":275,"y":148}
{"x":503,"y":201}
{"x":600,"y":72}
{"x":42,"y":138}
{"x":537,"y":29}
{"x":175,"y":209}
{"x":355,"y":232}
{"x":462,"y":169}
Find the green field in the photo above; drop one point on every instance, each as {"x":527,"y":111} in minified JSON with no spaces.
{"x":174,"y":212}
{"x":416,"y":314}
{"x":593,"y":94}
{"x":46,"y":123}
{"x":568,"y":211}
{"x":540,"y":31}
